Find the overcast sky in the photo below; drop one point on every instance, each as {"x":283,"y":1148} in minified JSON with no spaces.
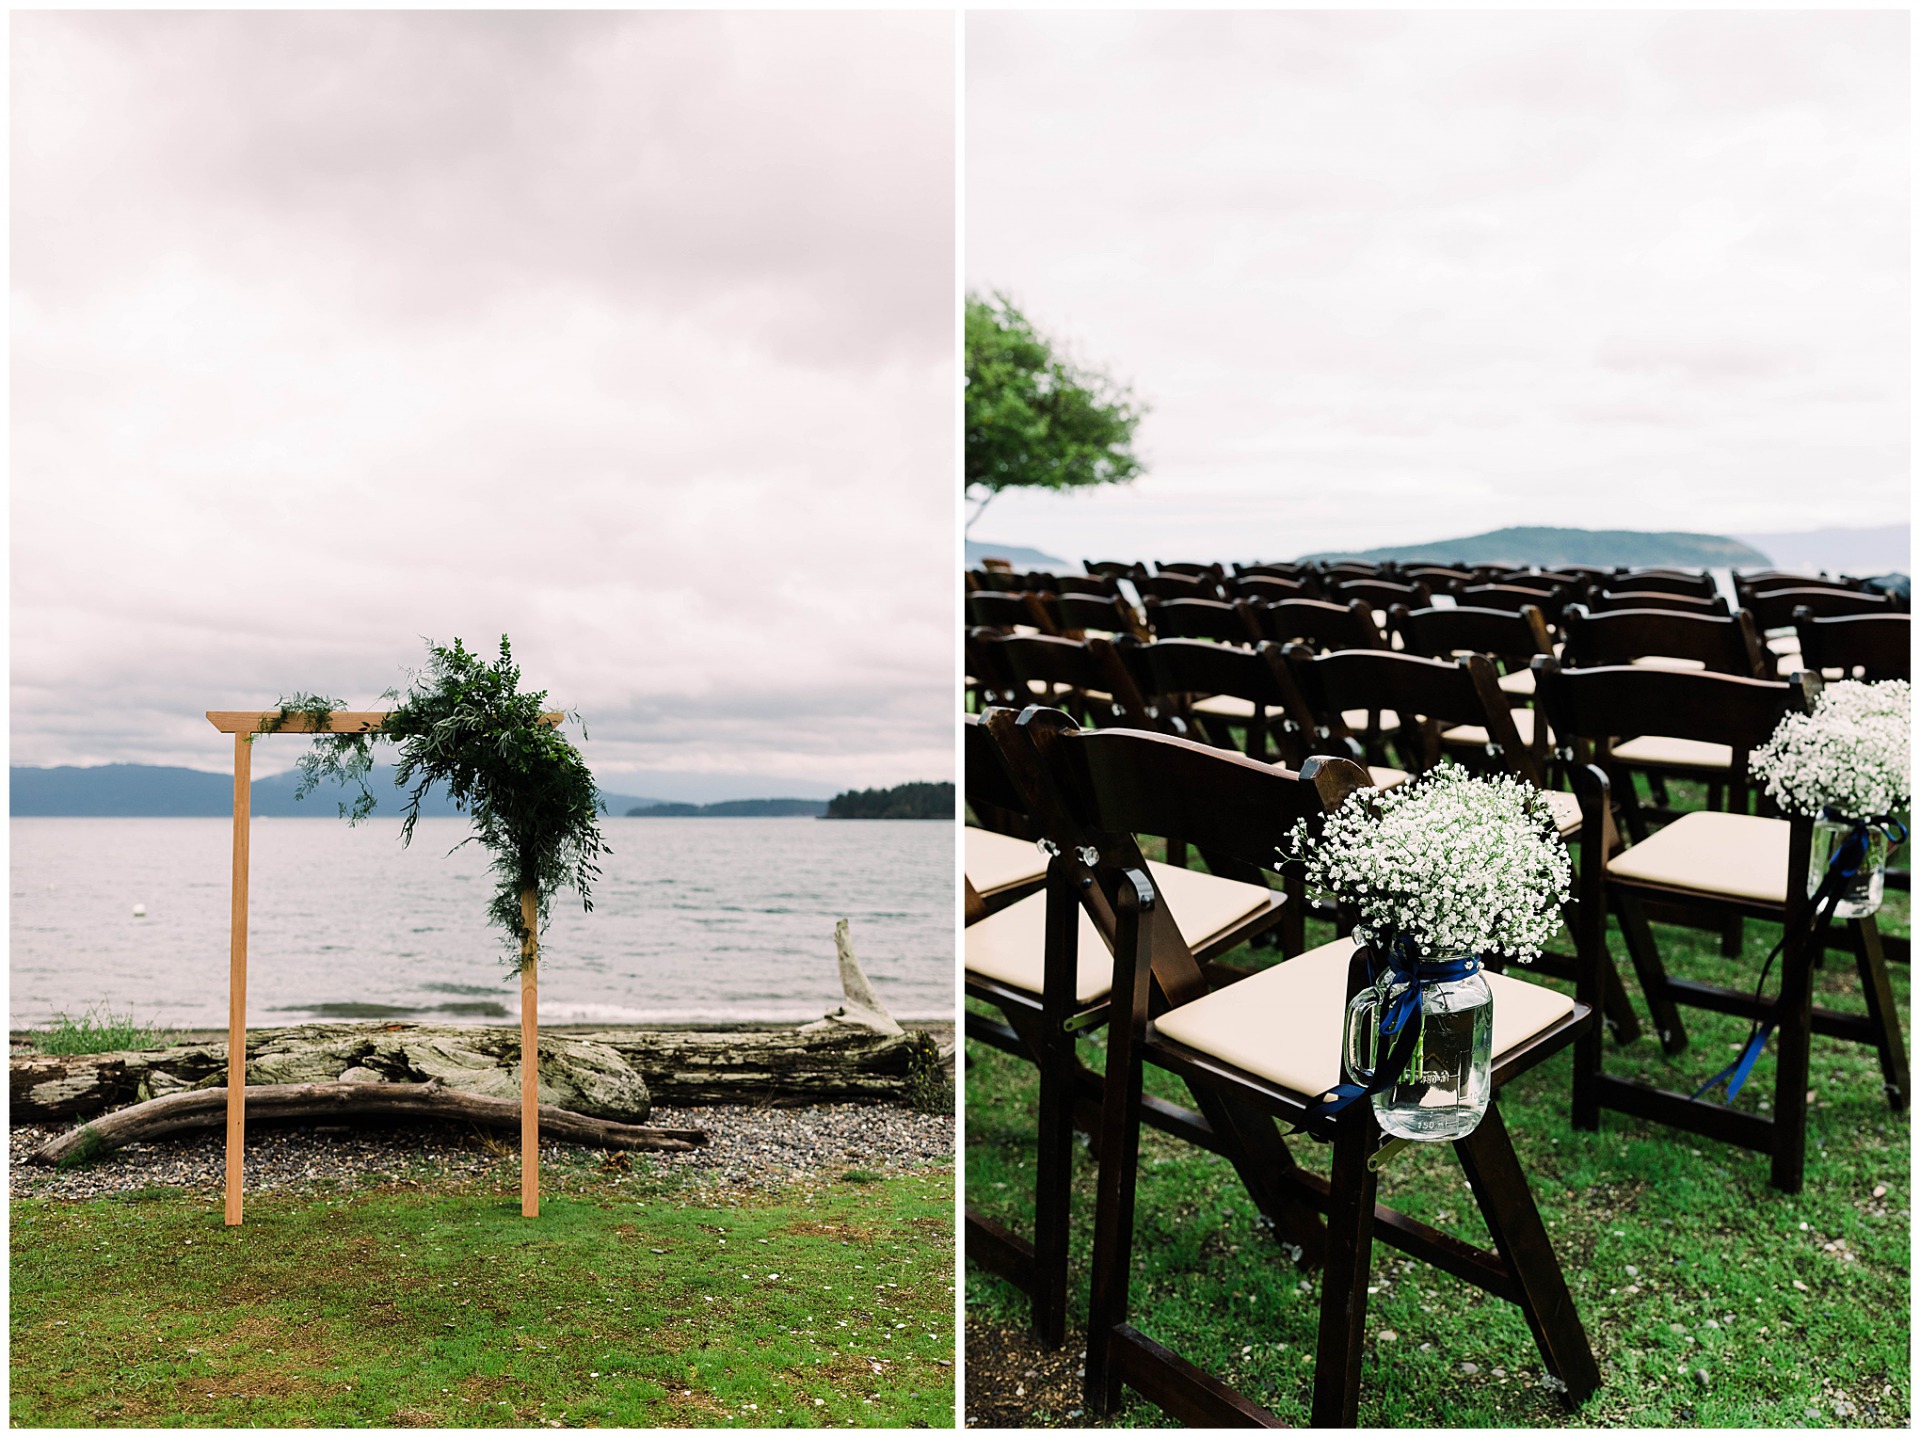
{"x":628,"y":335}
{"x":1386,"y":278}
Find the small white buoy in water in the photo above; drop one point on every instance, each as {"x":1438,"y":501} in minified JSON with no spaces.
{"x":139,"y":911}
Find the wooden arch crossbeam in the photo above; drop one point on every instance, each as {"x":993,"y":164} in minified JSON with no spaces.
{"x":245,"y":725}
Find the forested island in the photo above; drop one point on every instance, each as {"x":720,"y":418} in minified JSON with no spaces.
{"x":902,"y":801}
{"x":735,"y":809}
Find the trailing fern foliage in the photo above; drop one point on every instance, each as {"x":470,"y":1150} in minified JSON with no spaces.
{"x":464,"y":723}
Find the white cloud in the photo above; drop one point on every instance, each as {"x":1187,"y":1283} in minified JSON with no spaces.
{"x":628,"y":335}
{"x":1388,"y":277}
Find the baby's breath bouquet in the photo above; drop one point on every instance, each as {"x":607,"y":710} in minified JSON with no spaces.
{"x":1438,"y":872}
{"x":1447,"y":863}
{"x":1851,"y":754}
{"x":1848,"y":765}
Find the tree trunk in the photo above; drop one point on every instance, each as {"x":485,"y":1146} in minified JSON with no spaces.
{"x":206,"y":1108}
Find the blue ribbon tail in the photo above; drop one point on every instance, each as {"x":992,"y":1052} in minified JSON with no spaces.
{"x":1736,"y":1073}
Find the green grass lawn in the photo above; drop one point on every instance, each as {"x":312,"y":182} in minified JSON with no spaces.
{"x":628,"y":1302}
{"x":1710,"y":1299}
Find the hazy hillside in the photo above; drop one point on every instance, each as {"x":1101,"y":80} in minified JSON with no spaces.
{"x":1887,"y":549}
{"x":1542,"y":546}
{"x":1018,"y":556}
{"x":163,"y":791}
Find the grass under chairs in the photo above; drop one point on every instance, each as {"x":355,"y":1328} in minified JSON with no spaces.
{"x":1111,"y":785}
{"x":1699,"y":869}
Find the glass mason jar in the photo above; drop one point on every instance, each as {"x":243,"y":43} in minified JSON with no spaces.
{"x":1861,"y":896}
{"x":1443,"y":1091}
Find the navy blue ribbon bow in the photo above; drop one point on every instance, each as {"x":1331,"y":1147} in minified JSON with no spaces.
{"x":1842,"y":865}
{"x":1399,"y":1020}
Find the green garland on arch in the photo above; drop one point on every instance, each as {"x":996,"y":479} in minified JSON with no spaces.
{"x":464,"y":723}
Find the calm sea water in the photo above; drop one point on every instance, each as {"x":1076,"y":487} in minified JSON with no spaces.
{"x":693,"y":920}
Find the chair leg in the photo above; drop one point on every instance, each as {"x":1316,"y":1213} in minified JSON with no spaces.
{"x":1253,"y":1145}
{"x":1113,"y":1215}
{"x":1506,"y":1202}
{"x":1733,"y":935}
{"x":1653,"y":974}
{"x":1053,"y":1188}
{"x":1884,"y":1013}
{"x":1794,"y":1025}
{"x":1617,"y":1004}
{"x":1343,"y":1299}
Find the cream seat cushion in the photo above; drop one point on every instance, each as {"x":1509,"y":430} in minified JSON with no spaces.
{"x":1227,"y":706}
{"x":1713,"y":853}
{"x":1564,"y":807}
{"x":1356,"y":720}
{"x":1285,"y":1023}
{"x":999,"y":861}
{"x":1672,"y":663}
{"x":1010,"y":946}
{"x":1518,"y":682}
{"x":1658,"y":751}
{"x":1476,"y":734}
{"x":1385,"y":778}
{"x":1041,"y":689}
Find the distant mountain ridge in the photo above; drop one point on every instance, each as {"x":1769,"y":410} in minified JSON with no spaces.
{"x":1019,"y":556}
{"x":142,"y":791}
{"x":1524,"y":545}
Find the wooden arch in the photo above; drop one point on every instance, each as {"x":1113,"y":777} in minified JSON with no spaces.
{"x":245,"y":725}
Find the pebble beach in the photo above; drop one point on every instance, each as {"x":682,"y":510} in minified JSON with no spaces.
{"x":750,"y":1148}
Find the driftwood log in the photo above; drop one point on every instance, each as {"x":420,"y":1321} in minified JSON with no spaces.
{"x":207,"y":1108}
{"x":856,"y":1053}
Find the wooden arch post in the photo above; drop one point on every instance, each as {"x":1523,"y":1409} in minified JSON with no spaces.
{"x":244,"y":724}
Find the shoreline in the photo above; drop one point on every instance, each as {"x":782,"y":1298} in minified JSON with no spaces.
{"x":20,"y":1041}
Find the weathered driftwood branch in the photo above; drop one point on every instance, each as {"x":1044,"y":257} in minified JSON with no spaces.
{"x":857,"y":1052}
{"x":206,"y":1108}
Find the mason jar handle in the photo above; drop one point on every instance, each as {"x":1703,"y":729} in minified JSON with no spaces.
{"x":1361,"y":1026}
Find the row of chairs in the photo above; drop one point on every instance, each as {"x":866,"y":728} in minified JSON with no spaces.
{"x":1695,"y":870}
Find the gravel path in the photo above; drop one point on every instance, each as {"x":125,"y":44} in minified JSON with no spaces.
{"x":753,"y":1148}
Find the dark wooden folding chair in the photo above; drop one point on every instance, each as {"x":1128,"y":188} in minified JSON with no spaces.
{"x":1044,"y":964}
{"x":1075,"y":616}
{"x":1009,"y":611}
{"x":1098,"y":585}
{"x":1725,"y":644}
{"x":1511,"y":639}
{"x":1176,"y":586}
{"x":1191,"y":568}
{"x":1002,"y":860}
{"x":1440,"y":578}
{"x":1513,"y":598}
{"x":1695,"y":582}
{"x":1114,"y":568}
{"x":1265,"y":589}
{"x":1447,"y":705}
{"x":1223,"y":621}
{"x":1700,"y":866}
{"x":1714,"y":607}
{"x":1084,"y":677}
{"x":1380,"y":595}
{"x":1856,"y":646}
{"x":1300,"y":573}
{"x":1263,"y":1055}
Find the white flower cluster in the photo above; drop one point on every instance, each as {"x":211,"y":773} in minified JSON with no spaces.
{"x":1454,"y":863}
{"x":1852,"y":753}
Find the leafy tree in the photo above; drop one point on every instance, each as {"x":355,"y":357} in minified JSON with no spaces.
{"x":1033,"y":417}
